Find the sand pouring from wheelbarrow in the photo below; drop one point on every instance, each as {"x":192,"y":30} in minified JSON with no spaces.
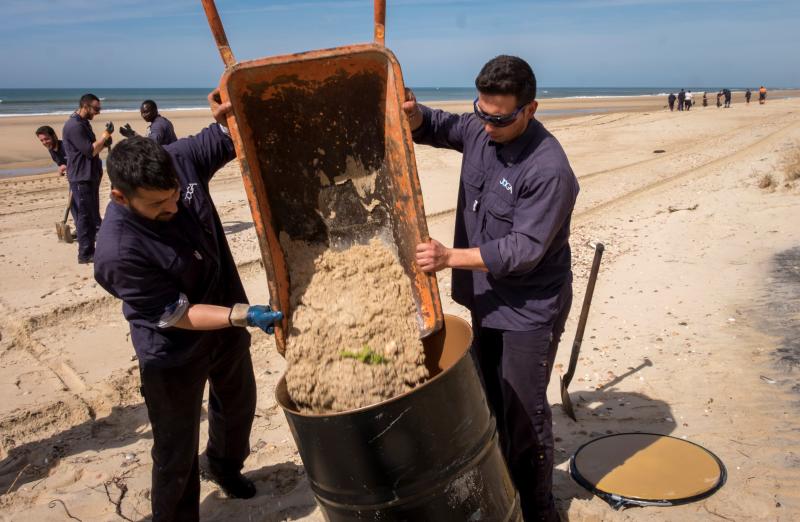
{"x":327,"y":158}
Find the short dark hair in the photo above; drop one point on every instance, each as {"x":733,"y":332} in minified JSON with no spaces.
{"x":140,"y":162}
{"x":508,"y":75}
{"x":88,"y":98}
{"x":47,"y":129}
{"x":149,"y":103}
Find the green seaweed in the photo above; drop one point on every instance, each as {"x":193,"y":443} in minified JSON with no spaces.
{"x":367,"y":356}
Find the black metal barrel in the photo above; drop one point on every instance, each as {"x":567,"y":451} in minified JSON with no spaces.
{"x":428,"y":455}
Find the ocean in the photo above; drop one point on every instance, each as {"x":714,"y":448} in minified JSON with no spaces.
{"x":16,"y":102}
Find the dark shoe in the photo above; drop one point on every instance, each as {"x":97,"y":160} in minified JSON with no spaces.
{"x":85,"y":261}
{"x":234,"y":485}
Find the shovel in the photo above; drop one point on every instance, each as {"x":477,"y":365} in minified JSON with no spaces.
{"x":566,"y":403}
{"x":63,"y":231}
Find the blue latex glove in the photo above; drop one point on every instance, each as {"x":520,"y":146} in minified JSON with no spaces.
{"x":263,"y":317}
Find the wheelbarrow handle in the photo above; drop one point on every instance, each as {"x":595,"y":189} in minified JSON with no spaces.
{"x":218,"y":31}
{"x":587,"y":301}
{"x":380,"y":22}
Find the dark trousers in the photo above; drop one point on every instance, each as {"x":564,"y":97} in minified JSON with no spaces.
{"x":516,"y":368}
{"x":86,"y":204}
{"x":174,"y":397}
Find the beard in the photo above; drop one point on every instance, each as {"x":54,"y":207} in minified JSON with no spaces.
{"x":163,"y":217}
{"x":166,"y":216}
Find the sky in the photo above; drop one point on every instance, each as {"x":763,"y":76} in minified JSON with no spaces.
{"x":439,"y":43}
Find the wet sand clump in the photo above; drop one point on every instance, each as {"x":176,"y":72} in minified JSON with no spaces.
{"x":353,"y":340}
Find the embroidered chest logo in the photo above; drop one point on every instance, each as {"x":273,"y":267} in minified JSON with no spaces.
{"x":189,"y":191}
{"x":506,"y":185}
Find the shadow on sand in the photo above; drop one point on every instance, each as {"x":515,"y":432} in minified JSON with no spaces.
{"x":601,"y":412}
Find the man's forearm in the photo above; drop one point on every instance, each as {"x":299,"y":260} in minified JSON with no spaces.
{"x":466,"y":258}
{"x":98,"y":145}
{"x":205,"y":317}
{"x":433,"y":256}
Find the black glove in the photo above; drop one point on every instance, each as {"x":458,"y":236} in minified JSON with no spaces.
{"x":110,"y":127}
{"x":127,"y":131}
{"x":108,"y":143}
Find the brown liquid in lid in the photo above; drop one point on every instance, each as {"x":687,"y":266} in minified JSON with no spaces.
{"x":648,"y":467}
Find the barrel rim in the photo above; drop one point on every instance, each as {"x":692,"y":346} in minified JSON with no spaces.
{"x":363,"y":409}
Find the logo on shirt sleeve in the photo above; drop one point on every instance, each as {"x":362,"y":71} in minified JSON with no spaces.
{"x":506,"y":185}
{"x":189,"y":191}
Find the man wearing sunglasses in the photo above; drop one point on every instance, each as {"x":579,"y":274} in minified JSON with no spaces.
{"x":85,"y":170}
{"x":511,"y":258}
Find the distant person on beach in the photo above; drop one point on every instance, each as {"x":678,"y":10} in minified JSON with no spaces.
{"x":681,"y":99}
{"x":671,"y":101}
{"x":160,"y":129}
{"x":511,"y":259}
{"x":727,"y":94}
{"x":705,"y":99}
{"x":689,"y":100}
{"x":762,"y":95}
{"x":747,"y":96}
{"x":719,"y":99}
{"x":84,"y":171}
{"x":162,"y":251}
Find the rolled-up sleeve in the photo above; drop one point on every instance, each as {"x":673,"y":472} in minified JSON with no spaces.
{"x":540,"y":212}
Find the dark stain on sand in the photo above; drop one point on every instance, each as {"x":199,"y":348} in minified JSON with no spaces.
{"x":783,"y":308}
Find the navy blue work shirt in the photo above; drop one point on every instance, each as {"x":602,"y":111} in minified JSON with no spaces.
{"x":515,"y":203}
{"x":156,"y":266}
{"x":78,"y":140}
{"x":58,"y":154}
{"x":161,"y":131}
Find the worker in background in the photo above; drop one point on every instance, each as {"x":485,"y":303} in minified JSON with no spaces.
{"x":85,"y":170}
{"x":49,"y":139}
{"x":159,"y":129}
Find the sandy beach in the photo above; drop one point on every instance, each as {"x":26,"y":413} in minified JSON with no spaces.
{"x":690,"y":333}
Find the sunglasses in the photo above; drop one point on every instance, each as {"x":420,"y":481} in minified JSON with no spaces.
{"x":495,"y":120}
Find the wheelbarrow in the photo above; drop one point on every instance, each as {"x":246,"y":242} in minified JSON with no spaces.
{"x":327,"y":158}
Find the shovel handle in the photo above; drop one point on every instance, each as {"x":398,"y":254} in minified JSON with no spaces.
{"x":587,"y":301}
{"x":218,"y":31}
{"x":69,"y":204}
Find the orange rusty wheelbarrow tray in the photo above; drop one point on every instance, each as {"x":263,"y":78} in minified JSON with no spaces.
{"x":327,"y":157}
